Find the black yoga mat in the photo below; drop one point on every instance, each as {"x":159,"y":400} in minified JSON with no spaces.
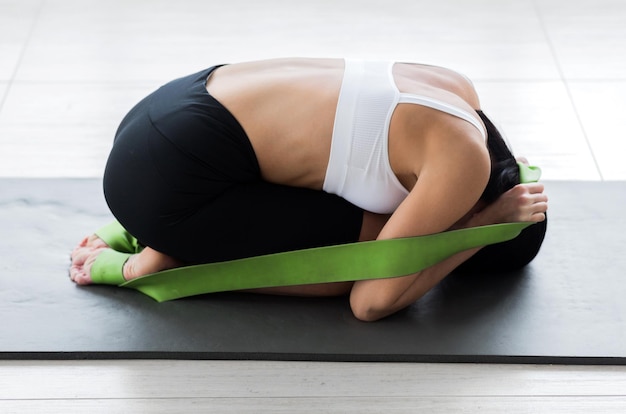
{"x":568,"y":306}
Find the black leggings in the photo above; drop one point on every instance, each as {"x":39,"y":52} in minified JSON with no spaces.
{"x":183,"y":178}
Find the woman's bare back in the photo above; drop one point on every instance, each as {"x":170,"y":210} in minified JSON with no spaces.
{"x":287,"y":108}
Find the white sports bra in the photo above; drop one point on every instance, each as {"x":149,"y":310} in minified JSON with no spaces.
{"x":358,"y":167}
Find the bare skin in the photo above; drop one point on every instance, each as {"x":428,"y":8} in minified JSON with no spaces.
{"x":148,"y":261}
{"x":447,"y":153}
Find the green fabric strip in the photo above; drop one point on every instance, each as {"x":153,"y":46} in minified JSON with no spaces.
{"x":118,"y":238}
{"x":529,"y":173}
{"x":347,"y":262}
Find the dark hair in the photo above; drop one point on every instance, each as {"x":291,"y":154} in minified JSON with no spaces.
{"x":516,"y":253}
{"x":504,"y":170}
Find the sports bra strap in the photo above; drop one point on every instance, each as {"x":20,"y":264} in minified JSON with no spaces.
{"x":443,"y":107}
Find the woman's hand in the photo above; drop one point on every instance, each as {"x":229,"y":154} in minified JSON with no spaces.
{"x":524,"y":202}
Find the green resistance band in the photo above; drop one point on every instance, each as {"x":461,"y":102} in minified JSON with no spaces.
{"x":341,"y":263}
{"x":348,"y":262}
{"x":528,"y":173}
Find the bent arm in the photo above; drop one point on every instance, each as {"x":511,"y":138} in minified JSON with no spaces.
{"x":371,"y":300}
{"x":447,"y":189}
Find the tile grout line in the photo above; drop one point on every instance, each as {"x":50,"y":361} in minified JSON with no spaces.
{"x":567,"y":86}
{"x":22,"y":53}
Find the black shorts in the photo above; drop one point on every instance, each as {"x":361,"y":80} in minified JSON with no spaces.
{"x":183,"y":178}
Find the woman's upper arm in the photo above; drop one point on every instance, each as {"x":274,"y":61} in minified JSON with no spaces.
{"x":448,"y":186}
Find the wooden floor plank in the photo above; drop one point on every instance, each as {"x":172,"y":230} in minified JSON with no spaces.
{"x":361,"y":405}
{"x":46,"y":380}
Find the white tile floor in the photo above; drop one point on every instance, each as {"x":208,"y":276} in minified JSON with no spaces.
{"x":552,"y":73}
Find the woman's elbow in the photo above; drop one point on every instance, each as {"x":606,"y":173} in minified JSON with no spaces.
{"x":368,"y":310}
{"x":372,"y":300}
{"x":363,"y":314}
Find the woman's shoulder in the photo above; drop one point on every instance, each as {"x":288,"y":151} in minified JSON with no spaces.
{"x":415,"y":78}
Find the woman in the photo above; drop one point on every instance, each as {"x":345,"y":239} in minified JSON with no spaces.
{"x":230,"y":162}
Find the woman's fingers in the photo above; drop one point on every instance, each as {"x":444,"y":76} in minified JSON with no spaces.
{"x":523,"y":160}
{"x":524,"y":202}
{"x":532,"y":202}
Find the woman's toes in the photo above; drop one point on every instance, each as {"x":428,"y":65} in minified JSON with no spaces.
{"x":80,"y":255}
{"x":78,"y":275}
{"x":82,"y":261}
{"x":79,"y":246}
{"x":88,"y":245}
{"x":96,"y":242}
{"x":83,"y":242}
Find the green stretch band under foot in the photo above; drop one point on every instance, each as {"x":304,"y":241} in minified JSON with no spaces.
{"x":118,"y":238}
{"x":348,"y":262}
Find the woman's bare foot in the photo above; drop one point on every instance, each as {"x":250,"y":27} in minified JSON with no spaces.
{"x":141,"y":264}
{"x":147,"y":262}
{"x":83,"y":256}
